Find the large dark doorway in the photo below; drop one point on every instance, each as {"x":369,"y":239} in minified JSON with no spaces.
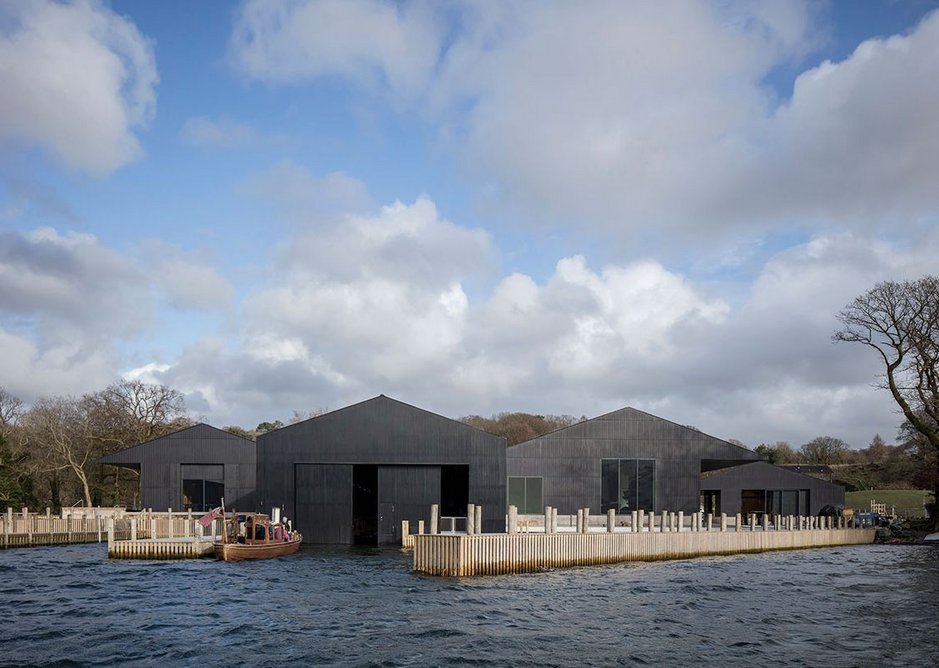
{"x":405,"y":493}
{"x":365,"y":504}
{"x":454,"y":490}
{"x":711,"y":501}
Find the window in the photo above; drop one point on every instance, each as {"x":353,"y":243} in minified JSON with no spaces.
{"x":787,"y":501}
{"x":203,"y":486}
{"x":527,"y":494}
{"x":627,"y":484}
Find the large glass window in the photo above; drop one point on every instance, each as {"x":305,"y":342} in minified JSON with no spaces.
{"x":527,"y":494}
{"x":203,"y":486}
{"x":787,"y":501}
{"x":627,"y":484}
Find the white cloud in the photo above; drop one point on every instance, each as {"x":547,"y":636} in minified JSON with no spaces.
{"x":642,"y":120}
{"x":392,"y":47}
{"x":304,"y":198}
{"x":224,"y":132}
{"x":189,"y":280}
{"x":77,"y":79}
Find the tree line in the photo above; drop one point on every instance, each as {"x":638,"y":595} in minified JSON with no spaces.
{"x":48,"y":451}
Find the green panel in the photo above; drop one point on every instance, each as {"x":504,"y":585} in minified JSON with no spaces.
{"x":517,"y":493}
{"x":534,"y":497}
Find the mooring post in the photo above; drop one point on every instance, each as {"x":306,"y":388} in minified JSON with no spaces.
{"x":766,"y":521}
{"x":709,"y":520}
{"x":681,"y":521}
{"x":610,"y":520}
{"x":434,"y":518}
{"x":548,"y":519}
{"x":110,"y":534}
{"x":133,"y":529}
{"x":470,"y":519}
{"x":153,"y":531}
{"x":642,"y":519}
{"x":511,"y":524}
{"x":723,"y":522}
{"x":580,"y":520}
{"x":478,"y":519}
{"x":405,"y":529}
{"x":634,"y":521}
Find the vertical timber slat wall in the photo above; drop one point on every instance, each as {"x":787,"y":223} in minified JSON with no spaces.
{"x":491,"y":554}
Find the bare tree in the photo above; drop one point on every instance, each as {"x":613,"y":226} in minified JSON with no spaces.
{"x":900,"y":322}
{"x":825,"y":450}
{"x":10,"y":409}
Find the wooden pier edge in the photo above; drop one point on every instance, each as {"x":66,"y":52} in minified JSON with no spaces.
{"x":492,"y":554}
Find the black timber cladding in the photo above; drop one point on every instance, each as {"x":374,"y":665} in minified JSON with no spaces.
{"x":569,"y":459}
{"x":408,"y":446}
{"x":764,"y":476}
{"x":160,"y":464}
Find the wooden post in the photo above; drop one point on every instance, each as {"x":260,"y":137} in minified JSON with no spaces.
{"x":153,"y":530}
{"x":642,"y":519}
{"x":420,"y":527}
{"x":651,"y":521}
{"x":710,"y":521}
{"x":681,"y":520}
{"x":723,"y":521}
{"x":580,"y":520}
{"x":511,"y":524}
{"x":110,"y":534}
{"x":765,"y":521}
{"x":634,"y":521}
{"x":470,"y":519}
{"x":478,"y":519}
{"x":737,"y":521}
{"x":434,"y":518}
{"x":610,"y":520}
{"x":133,"y":529}
{"x":548,"y":519}
{"x":752,"y":521}
{"x":554,"y":520}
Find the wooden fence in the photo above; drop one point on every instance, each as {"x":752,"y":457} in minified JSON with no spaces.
{"x":89,"y":525}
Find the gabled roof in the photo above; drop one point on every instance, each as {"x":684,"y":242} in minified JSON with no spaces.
{"x":197,"y":432}
{"x":377,"y":403}
{"x":629,"y":414}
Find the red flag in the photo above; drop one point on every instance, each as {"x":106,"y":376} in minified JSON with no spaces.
{"x":207,"y":519}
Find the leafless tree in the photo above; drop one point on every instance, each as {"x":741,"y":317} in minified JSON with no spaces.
{"x":900,"y":322}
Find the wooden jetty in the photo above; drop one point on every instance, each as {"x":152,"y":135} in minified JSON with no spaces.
{"x":130,"y":535}
{"x":639,"y":539}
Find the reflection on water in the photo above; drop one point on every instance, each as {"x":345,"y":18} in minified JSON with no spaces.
{"x":852,"y":606}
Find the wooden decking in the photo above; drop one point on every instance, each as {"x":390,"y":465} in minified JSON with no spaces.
{"x":139,"y":535}
{"x":527,"y":547}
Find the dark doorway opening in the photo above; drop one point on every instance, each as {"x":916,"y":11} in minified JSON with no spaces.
{"x":454,"y":490}
{"x":711,"y":501}
{"x":365,"y":504}
{"x":752,"y":501}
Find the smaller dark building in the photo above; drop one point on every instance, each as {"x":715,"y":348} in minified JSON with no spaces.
{"x":761,"y":488}
{"x":193,"y":467}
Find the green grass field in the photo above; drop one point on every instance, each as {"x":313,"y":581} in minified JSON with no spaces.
{"x":908,"y":502}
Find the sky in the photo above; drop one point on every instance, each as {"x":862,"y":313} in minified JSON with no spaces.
{"x":473,"y":207}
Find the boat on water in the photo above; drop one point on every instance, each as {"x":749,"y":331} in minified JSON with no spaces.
{"x":255,"y":536}
{"x":932,"y":539}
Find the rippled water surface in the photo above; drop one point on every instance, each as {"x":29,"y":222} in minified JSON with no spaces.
{"x":854,"y":606}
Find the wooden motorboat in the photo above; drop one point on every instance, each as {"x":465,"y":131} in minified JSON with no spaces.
{"x":254,"y":536}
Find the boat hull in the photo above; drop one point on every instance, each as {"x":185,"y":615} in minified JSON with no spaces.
{"x":242,"y":552}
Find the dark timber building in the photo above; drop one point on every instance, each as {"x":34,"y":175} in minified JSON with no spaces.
{"x":625,"y":460}
{"x":761,"y":488}
{"x":198,"y":465}
{"x":351,"y":476}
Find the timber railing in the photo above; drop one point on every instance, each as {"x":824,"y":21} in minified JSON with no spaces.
{"x":90,"y":525}
{"x":606,"y":539}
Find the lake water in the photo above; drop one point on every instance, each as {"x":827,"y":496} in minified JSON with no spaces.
{"x":853,"y":606}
